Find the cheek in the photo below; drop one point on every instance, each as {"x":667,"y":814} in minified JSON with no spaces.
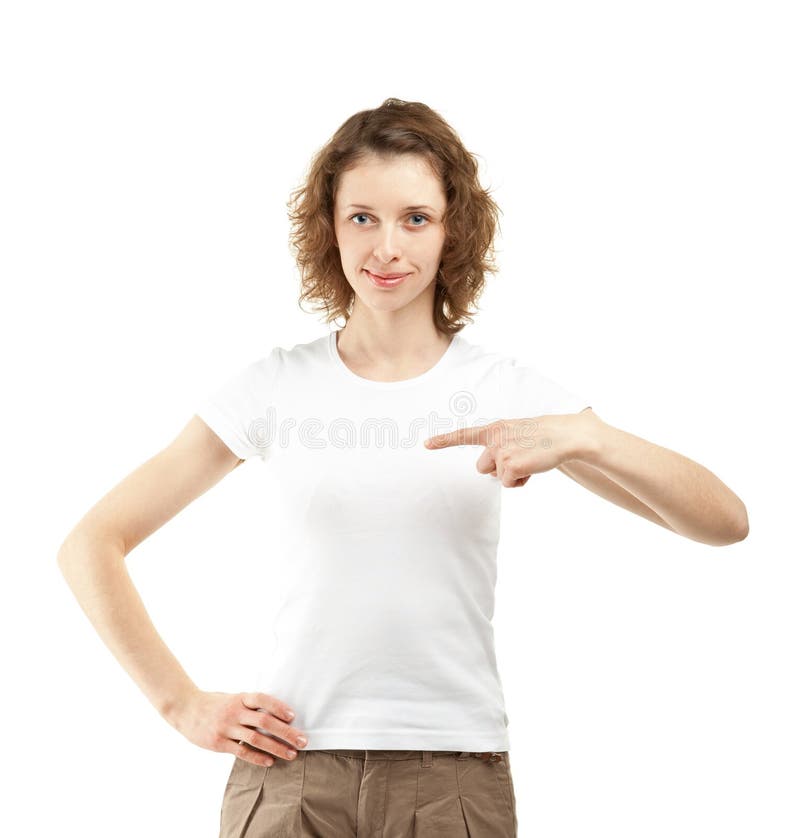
{"x":355,"y":246}
{"x":433,"y":247}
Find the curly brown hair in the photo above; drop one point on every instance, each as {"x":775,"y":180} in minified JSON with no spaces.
{"x":470,"y":220}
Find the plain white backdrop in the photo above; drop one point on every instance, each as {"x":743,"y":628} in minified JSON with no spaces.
{"x":645,"y":159}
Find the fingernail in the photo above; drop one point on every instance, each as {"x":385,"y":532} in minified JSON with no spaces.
{"x":292,"y":753}
{"x":301,"y":740}
{"x":290,"y":715}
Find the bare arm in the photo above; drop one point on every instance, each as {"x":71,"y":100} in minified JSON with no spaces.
{"x":92,"y":556}
{"x":595,"y":481}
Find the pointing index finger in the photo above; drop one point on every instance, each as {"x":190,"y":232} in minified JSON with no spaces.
{"x":475,"y":435}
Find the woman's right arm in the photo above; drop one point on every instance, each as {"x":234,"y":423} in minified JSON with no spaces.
{"x":92,"y":557}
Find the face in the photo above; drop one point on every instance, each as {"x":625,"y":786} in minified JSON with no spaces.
{"x":388,"y":220}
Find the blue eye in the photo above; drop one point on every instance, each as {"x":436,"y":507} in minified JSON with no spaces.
{"x":413,"y":215}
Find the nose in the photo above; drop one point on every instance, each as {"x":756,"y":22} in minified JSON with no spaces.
{"x":387,"y":247}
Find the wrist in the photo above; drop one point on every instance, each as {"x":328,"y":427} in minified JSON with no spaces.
{"x":174,"y":705}
{"x":590,"y":433}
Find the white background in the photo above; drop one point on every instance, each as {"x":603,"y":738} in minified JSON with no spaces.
{"x":645,"y":158}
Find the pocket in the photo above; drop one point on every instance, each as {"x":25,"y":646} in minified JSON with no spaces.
{"x":486,"y":803}
{"x":503,"y":775}
{"x":241,"y":797}
{"x":244,"y":773}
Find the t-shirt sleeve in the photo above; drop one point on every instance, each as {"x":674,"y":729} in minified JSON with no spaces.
{"x":239,"y":409}
{"x":527,"y":392}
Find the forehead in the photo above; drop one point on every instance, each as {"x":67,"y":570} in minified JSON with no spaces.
{"x":391,"y":181}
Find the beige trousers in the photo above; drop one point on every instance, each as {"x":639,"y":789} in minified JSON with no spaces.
{"x":344,"y":793}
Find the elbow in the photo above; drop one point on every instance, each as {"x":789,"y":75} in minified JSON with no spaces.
{"x":82,"y":544}
{"x":742,"y":529}
{"x":61,"y":555}
{"x":64,"y":556}
{"x":69,"y":547}
{"x":735,"y":523}
{"x":737,"y":532}
{"x":724,"y":535}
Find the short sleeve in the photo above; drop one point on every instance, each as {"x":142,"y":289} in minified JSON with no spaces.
{"x":527,"y":392}
{"x":240,"y":410}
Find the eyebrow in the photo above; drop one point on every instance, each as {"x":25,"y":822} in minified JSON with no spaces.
{"x":415,"y":207}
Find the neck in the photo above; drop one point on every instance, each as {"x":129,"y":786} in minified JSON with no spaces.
{"x":389,"y":338}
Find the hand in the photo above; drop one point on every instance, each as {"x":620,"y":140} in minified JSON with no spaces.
{"x":517,"y":448}
{"x":218,"y":721}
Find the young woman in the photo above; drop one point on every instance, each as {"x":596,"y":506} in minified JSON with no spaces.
{"x":377,"y":708}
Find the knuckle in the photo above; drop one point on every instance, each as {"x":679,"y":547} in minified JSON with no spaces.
{"x":266,"y":744}
{"x":280,"y":729}
{"x":496,"y":435}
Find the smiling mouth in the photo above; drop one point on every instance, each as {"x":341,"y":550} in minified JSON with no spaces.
{"x":386,"y":282}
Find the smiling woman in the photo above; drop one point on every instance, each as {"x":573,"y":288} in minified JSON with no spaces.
{"x":391,"y":164}
{"x":378,"y":679}
{"x":388,"y":248}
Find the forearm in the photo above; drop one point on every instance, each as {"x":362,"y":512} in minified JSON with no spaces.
{"x":96,"y":572}
{"x":689,"y":497}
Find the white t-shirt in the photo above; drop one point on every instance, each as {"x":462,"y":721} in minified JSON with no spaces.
{"x":381,"y":635}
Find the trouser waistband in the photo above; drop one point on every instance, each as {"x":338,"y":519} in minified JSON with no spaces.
{"x":427,"y":756}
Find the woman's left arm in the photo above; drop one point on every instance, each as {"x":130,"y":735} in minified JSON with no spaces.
{"x":687,"y":496}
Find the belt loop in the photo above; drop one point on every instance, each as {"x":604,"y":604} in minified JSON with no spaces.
{"x":427,"y":759}
{"x":489,"y":756}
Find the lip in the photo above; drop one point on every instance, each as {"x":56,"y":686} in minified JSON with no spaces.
{"x":387,"y":281}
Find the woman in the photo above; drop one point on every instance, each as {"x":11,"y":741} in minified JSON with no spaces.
{"x":378,"y":708}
